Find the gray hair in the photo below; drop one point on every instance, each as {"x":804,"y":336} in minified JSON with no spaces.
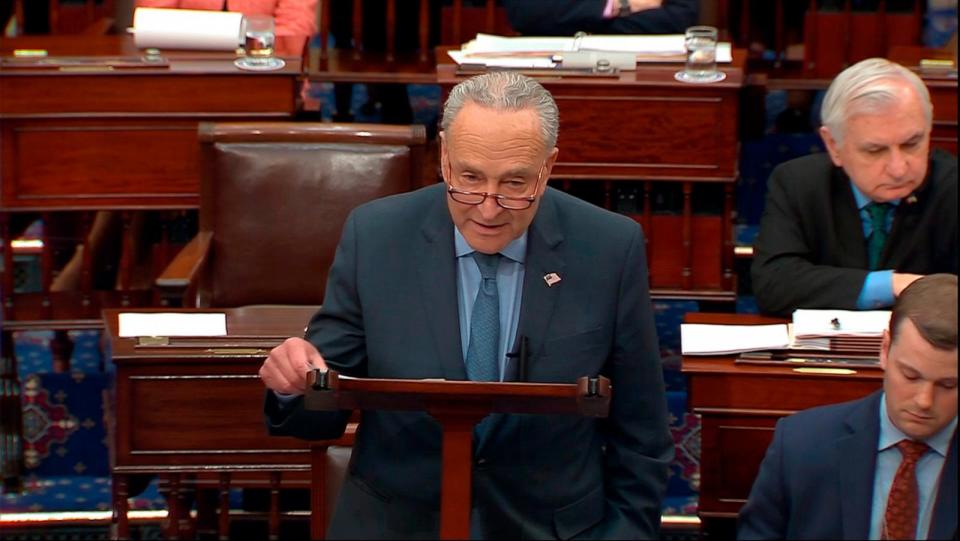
{"x":867,"y":86}
{"x":505,"y":91}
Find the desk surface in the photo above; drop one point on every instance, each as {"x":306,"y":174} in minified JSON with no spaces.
{"x":640,"y":125}
{"x":123,"y":138}
{"x":199,"y":406}
{"x":739,"y":405}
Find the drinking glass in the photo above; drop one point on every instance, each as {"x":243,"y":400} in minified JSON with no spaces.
{"x":258,"y":42}
{"x":701,"y":64}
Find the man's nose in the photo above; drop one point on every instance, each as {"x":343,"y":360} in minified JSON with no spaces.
{"x":924,"y":396}
{"x":489,"y":208}
{"x":897,"y":166}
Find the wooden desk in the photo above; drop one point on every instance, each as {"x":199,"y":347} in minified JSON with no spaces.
{"x":739,"y":405}
{"x":195,"y":414}
{"x":643,"y":130}
{"x":89,"y":137}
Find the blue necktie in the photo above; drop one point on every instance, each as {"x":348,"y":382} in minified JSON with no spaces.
{"x":878,"y":235}
{"x":482,"y":364}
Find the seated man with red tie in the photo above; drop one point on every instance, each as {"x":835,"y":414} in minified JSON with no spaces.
{"x":852,"y":227}
{"x":883,"y":466}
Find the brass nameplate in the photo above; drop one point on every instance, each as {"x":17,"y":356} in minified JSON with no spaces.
{"x":153,"y":341}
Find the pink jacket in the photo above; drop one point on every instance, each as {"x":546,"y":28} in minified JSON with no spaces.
{"x":293,"y":17}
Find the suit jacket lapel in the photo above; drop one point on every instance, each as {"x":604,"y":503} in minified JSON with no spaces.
{"x":855,"y":471}
{"x":437,"y":272}
{"x":943,"y":525}
{"x":846,"y":217}
{"x":543,"y":257}
{"x":905,"y":222}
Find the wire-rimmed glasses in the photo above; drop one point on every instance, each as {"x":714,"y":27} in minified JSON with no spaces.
{"x":509,"y":202}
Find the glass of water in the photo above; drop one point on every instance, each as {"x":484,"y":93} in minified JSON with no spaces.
{"x":700,"y":43}
{"x":258,"y":42}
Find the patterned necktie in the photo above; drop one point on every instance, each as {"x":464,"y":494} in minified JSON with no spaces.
{"x":900,"y":518}
{"x":878,"y":235}
{"x":484,"y":343}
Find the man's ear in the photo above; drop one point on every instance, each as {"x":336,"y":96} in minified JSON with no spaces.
{"x":443,"y":156}
{"x":832,"y":146}
{"x":885,"y":348}
{"x":548,"y":168}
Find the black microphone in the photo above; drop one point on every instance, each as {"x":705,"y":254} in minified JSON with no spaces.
{"x":522,"y":355}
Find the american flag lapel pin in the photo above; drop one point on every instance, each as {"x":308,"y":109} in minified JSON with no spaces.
{"x":551,"y":278}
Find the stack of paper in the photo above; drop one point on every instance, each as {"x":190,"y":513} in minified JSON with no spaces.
{"x":547,"y":52}
{"x":846,"y":330}
{"x":134,"y":324}
{"x":699,"y":339}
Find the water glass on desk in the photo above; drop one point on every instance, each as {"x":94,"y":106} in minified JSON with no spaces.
{"x":700,"y":43}
{"x":258,"y":42}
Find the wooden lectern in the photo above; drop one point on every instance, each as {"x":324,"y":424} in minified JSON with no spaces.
{"x":458,"y":406}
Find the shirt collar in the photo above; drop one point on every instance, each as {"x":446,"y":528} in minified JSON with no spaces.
{"x":516,"y":250}
{"x":863,"y":200}
{"x":890,"y":434}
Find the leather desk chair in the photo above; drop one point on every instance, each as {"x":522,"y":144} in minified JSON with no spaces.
{"x":274,"y":198}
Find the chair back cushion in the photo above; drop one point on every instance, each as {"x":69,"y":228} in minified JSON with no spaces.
{"x":277,"y":208}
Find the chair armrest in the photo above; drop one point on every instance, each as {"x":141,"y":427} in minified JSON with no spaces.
{"x":180,"y":276}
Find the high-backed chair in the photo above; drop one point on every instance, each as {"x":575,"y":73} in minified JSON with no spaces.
{"x":274,"y":197}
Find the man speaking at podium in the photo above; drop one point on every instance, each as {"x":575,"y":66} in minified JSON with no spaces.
{"x":446,"y":282}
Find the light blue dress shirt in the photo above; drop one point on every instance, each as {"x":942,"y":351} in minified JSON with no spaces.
{"x":877,"y":289}
{"x":509,"y":287}
{"x":928,"y":471}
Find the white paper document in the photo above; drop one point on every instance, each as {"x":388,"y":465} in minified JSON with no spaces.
{"x":496,"y":51}
{"x":517,"y":62}
{"x":827,"y":323}
{"x":700,"y":339}
{"x":172,"y":324}
{"x":187,"y":29}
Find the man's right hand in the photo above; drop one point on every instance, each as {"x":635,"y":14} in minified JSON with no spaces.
{"x":285,"y":369}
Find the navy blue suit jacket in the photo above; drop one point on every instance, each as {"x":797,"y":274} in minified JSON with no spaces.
{"x":567,"y":17}
{"x":811,"y":252}
{"x":816,"y":481}
{"x":391,"y":312}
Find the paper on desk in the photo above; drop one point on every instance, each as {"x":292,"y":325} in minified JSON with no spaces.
{"x":172,"y":324}
{"x":700,"y":339}
{"x":819,"y":323}
{"x":187,"y":29}
{"x":656,"y":48}
{"x":518,"y":62}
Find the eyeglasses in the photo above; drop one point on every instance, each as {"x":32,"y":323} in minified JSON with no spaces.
{"x":508,"y":202}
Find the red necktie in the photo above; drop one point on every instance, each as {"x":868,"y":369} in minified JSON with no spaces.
{"x":900,"y":519}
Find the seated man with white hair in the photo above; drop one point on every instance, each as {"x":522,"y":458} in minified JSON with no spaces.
{"x":852,"y":227}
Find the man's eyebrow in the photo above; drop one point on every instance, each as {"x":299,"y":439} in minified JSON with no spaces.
{"x":517,"y":172}
{"x":915,"y":137}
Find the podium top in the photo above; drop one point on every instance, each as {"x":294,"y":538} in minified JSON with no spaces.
{"x":328,"y":391}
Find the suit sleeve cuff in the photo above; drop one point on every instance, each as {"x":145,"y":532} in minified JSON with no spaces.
{"x":877,"y":291}
{"x":284,"y":400}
